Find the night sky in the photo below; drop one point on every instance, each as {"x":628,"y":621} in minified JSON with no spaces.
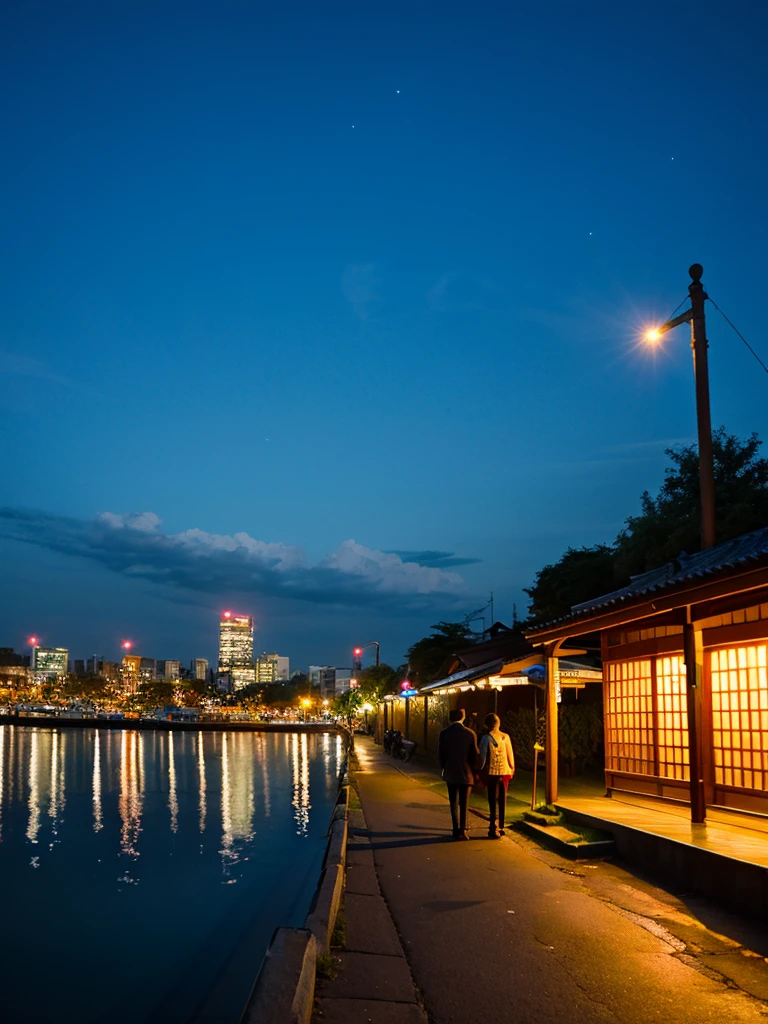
{"x":329,"y":313}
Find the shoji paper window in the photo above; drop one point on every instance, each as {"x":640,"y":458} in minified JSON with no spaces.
{"x":740,"y":716}
{"x":629,"y":717}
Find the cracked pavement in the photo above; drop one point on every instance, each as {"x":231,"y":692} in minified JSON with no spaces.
{"x":508,"y":929}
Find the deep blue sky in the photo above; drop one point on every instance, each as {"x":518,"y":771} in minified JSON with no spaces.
{"x":371,"y":272}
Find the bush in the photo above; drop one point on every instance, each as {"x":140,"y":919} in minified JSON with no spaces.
{"x":580,"y":732}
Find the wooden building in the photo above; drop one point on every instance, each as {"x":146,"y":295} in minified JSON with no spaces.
{"x":685,"y":678}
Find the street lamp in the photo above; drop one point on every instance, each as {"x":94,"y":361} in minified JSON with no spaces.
{"x":695,"y":316}
{"x":358,"y":652}
{"x":305,"y":704}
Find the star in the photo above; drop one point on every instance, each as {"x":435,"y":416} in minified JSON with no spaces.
{"x":397,"y":91}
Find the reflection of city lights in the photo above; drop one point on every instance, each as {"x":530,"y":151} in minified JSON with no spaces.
{"x":97,"y":822}
{"x":300,"y":767}
{"x":201,"y":777}
{"x":173,"y":803}
{"x":33,"y":824}
{"x":130,"y":799}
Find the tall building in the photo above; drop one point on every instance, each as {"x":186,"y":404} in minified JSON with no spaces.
{"x":272,"y":668}
{"x":48,"y":662}
{"x":171,"y":670}
{"x":199,"y":668}
{"x":131,"y":671}
{"x":343,"y":680}
{"x":327,"y":681}
{"x":236,"y":648}
{"x":266,"y":668}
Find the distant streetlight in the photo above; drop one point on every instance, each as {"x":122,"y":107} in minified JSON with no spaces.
{"x":695,"y":316}
{"x":358,"y":651}
{"x":305,"y":704}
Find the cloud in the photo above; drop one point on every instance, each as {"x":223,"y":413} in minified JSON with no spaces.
{"x":436,"y":559}
{"x":222,"y":564}
{"x":14,"y":365}
{"x":455,"y":292}
{"x":361,"y":287}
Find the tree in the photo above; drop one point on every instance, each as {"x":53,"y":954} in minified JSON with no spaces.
{"x":667,"y":525}
{"x":580,"y":574}
{"x":375,"y":681}
{"x":428,"y":656}
{"x":671,"y":522}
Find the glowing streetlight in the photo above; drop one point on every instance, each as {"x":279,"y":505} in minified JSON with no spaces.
{"x":127,"y":645}
{"x":306,"y":702}
{"x":358,"y":651}
{"x":33,"y":641}
{"x":699,"y":345}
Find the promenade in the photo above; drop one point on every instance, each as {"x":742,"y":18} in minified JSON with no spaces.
{"x":506,"y":931}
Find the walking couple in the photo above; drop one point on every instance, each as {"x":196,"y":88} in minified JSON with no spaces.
{"x":460,"y":759}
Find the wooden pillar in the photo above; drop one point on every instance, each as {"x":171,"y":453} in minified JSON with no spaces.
{"x":552,"y":676}
{"x":693,"y":648}
{"x":426,"y":720}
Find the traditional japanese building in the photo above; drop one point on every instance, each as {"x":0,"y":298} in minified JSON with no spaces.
{"x":685,"y":678}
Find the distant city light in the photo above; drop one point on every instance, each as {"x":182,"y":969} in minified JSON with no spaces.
{"x":227,"y":615}
{"x":127,"y":645}
{"x":33,"y":641}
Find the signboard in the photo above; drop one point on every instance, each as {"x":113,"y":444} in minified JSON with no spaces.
{"x":409,"y":693}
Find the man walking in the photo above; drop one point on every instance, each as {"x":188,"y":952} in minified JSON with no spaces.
{"x":458,"y":756}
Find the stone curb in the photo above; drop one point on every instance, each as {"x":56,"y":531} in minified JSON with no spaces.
{"x":285,"y":988}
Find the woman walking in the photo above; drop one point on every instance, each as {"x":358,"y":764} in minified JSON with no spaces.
{"x":498,"y":766}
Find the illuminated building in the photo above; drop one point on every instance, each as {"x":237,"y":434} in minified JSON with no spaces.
{"x":131,"y":669}
{"x":199,"y":668}
{"x":272,"y":668}
{"x":50,"y":662}
{"x":236,"y":648}
{"x":168,"y":670}
{"x":701,"y":618}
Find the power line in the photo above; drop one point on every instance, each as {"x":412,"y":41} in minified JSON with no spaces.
{"x":738,"y":332}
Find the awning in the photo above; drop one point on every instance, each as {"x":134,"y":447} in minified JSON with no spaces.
{"x":572,"y":673}
{"x":468,"y":678}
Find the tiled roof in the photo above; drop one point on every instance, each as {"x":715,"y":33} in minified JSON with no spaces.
{"x":728,"y":555}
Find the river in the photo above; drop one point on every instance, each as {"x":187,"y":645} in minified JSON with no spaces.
{"x":143,"y":873}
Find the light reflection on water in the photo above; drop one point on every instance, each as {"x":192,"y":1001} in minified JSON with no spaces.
{"x":178,"y":853}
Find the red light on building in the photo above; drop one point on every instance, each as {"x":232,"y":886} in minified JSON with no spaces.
{"x":227,"y":615}
{"x":32,"y":641}
{"x":126,"y":645}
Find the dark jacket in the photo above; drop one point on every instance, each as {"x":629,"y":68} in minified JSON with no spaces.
{"x":458,"y":754}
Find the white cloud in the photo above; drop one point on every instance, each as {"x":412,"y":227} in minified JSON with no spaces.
{"x":135,"y":545}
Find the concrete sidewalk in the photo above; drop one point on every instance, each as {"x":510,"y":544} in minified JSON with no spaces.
{"x":374,"y":984}
{"x":493,"y":929}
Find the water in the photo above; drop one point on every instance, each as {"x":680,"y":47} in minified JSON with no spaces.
{"x":143,"y":873}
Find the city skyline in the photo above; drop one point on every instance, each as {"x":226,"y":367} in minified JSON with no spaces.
{"x":355,"y":355}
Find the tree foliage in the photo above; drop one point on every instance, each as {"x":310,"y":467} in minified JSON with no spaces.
{"x":581,"y":574}
{"x":428,"y":656}
{"x":671,"y":522}
{"x":667,"y":525}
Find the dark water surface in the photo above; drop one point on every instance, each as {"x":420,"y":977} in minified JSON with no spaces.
{"x":143,"y":873}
